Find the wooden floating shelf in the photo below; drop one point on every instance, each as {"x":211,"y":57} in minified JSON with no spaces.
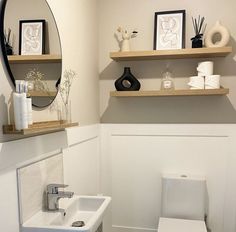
{"x":171,"y":54}
{"x":30,"y":59}
{"x":39,"y":128}
{"x":42,"y":94}
{"x":164,"y":93}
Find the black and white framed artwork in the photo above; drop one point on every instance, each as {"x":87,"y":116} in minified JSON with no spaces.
{"x":169,"y":31}
{"x":32,"y":37}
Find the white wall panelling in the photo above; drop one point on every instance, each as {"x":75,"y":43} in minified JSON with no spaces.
{"x":81,"y":160}
{"x":14,"y":155}
{"x":81,"y":166}
{"x":129,"y":167}
{"x":134,"y":156}
{"x":22,"y":152}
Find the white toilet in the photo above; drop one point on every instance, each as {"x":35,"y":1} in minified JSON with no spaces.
{"x":183,"y":204}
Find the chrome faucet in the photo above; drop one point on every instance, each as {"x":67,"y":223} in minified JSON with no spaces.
{"x":53,"y":196}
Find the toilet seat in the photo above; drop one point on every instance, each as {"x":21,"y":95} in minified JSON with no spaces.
{"x":180,"y":225}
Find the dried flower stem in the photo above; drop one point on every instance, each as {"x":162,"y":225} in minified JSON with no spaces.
{"x":65,"y":86}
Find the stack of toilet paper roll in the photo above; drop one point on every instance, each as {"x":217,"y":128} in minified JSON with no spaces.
{"x":205,"y":78}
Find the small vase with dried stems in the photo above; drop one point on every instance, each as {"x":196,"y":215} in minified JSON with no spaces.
{"x":64,"y":90}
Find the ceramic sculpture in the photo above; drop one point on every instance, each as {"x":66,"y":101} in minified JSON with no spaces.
{"x":217,"y":29}
{"x":126,"y":36}
{"x":127,"y":82}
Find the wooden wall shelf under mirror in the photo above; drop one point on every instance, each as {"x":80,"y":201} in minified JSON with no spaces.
{"x":39,"y":128}
{"x":42,"y":94}
{"x":170,"y":93}
{"x":171,"y":54}
{"x":29,"y":59}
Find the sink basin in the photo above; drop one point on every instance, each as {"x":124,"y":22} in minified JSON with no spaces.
{"x":89,"y":209}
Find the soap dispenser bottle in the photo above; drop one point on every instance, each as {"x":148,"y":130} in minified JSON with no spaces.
{"x":29,"y":104}
{"x":20,"y":106}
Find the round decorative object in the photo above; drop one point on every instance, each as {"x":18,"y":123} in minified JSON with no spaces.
{"x":217,"y":29}
{"x":127,"y":82}
{"x":34,"y":32}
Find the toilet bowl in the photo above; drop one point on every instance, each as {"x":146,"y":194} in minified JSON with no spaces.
{"x":183,"y":204}
{"x":181,"y":225}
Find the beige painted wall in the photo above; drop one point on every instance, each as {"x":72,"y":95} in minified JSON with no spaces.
{"x":139,"y":15}
{"x":77,"y":23}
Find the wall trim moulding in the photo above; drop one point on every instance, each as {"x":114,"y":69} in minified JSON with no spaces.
{"x":76,"y":135}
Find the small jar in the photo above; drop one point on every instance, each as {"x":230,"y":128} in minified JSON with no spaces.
{"x":167,"y":82}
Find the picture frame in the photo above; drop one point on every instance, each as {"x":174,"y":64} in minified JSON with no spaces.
{"x":169,"y":30}
{"x":32,"y":37}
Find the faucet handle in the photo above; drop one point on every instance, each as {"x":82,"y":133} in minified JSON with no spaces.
{"x":53,"y":188}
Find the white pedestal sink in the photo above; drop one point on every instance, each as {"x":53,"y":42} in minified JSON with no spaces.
{"x":89,"y":209}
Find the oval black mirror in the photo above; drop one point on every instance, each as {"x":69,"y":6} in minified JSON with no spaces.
{"x":31,"y":47}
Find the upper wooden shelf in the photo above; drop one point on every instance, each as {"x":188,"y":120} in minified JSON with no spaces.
{"x":171,"y":54}
{"x":42,"y":93}
{"x":21,"y":59}
{"x":164,"y":93}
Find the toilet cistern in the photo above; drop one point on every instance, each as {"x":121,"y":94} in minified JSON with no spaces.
{"x":53,"y":196}
{"x":183,"y":203}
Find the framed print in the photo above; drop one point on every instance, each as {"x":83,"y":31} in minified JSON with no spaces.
{"x":169,"y":31}
{"x":32,"y":37}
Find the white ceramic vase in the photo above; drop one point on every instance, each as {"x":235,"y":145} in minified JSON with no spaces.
{"x":224,"y":33}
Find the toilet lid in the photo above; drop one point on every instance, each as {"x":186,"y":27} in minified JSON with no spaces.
{"x":181,"y":225}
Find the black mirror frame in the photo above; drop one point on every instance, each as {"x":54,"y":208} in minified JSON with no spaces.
{"x":2,"y":42}
{"x":4,"y":54}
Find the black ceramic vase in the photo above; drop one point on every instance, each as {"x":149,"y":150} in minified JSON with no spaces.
{"x":127,"y":82}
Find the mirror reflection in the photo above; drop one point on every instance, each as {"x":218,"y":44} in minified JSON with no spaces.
{"x":32,"y":48}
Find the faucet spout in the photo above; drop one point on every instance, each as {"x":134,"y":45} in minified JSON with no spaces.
{"x":53,"y":196}
{"x":65,"y":194}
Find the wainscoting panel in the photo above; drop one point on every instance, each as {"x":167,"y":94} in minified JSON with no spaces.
{"x":82,"y":160}
{"x":134,"y":157}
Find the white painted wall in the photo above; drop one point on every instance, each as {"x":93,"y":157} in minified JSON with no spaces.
{"x":133,"y":158}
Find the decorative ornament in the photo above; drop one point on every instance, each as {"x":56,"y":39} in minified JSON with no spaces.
{"x":126,"y":36}
{"x":217,"y":29}
{"x":127,"y":82}
{"x":199,"y":29}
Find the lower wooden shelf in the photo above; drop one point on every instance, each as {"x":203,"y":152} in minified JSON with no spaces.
{"x":39,"y":128}
{"x":164,"y":93}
